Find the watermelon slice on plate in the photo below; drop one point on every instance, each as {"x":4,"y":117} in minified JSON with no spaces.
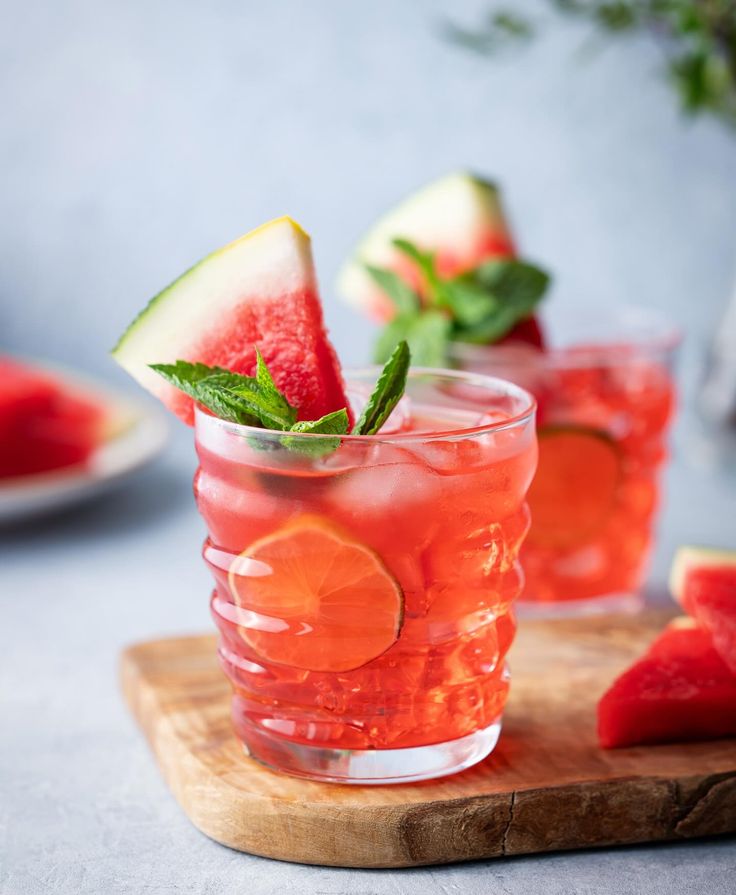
{"x":65,"y":438}
{"x":681,"y":689}
{"x":47,"y":423}
{"x":259,"y":290}
{"x":458,"y":217}
{"x":703,"y":581}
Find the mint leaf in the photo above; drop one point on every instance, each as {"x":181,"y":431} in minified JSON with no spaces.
{"x":397,"y":289}
{"x":510,"y":280}
{"x":491,"y":330}
{"x":335,"y":423}
{"x":217,"y":398}
{"x":425,"y":261}
{"x":260,"y":396}
{"x":257,"y":401}
{"x":271,"y":393}
{"x":185,"y":375}
{"x":395,"y":331}
{"x":514,"y":289}
{"x":248,"y":400}
{"x":428,"y":338}
{"x":427,"y":334}
{"x":386,"y":393}
{"x":195,"y":380}
{"x":469,"y":301}
{"x":271,"y":410}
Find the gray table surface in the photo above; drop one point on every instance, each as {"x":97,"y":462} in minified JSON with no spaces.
{"x":136,"y":137}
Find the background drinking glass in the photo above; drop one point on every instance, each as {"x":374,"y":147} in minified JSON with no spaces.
{"x":605,"y":394}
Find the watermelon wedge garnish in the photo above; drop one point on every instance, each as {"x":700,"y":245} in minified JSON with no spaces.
{"x":680,"y":690}
{"x":460,"y":217}
{"x":260,"y":290}
{"x":459,"y":221}
{"x":703,"y":581}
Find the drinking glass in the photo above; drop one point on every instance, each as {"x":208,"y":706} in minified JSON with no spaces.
{"x":364,"y":585}
{"x":605,"y":396}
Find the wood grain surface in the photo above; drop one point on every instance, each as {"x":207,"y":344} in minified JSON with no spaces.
{"x":546,"y":787}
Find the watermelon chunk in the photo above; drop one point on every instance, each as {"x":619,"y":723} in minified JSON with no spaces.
{"x":459,"y":217}
{"x":259,"y":290}
{"x":681,"y":689}
{"x":45,"y":424}
{"x":703,"y":581}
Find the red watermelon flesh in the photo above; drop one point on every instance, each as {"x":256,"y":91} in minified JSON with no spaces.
{"x":528,"y":331}
{"x":709,"y":596}
{"x":290,"y":334}
{"x":680,"y":690}
{"x":44,"y":423}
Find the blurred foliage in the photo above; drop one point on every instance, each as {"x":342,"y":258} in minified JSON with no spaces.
{"x":698,"y":38}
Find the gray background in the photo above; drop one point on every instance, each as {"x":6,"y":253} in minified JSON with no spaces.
{"x":137,"y":136}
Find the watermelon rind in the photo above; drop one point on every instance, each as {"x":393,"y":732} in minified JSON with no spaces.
{"x":691,"y":557}
{"x":272,"y":260}
{"x":453,"y":213}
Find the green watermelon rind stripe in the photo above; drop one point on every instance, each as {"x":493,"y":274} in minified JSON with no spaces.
{"x":160,"y":297}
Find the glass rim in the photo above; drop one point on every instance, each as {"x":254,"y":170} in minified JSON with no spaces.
{"x":663,"y":337}
{"x":495,"y":383}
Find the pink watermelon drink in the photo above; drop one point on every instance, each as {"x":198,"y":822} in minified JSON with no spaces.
{"x":364,"y":600}
{"x":365,"y":563}
{"x":603,"y":385}
{"x":606,"y":403}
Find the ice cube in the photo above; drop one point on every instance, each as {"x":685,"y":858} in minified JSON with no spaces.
{"x":387,"y":489}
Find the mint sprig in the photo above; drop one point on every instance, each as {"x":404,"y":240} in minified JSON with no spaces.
{"x":257,"y":401}
{"x":480,"y":305}
{"x":248,"y":400}
{"x":386,"y":393}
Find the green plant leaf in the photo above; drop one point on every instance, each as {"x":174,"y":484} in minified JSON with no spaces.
{"x":386,"y":393}
{"x":185,"y":375}
{"x":260,"y":396}
{"x":195,"y":380}
{"x":469,"y":301}
{"x":428,"y":337}
{"x":257,"y":401}
{"x":427,"y":334}
{"x":395,"y":331}
{"x":697,"y":37}
{"x":397,"y":289}
{"x":272,"y":412}
{"x":332,"y":424}
{"x":513,"y":281}
{"x":427,"y":266}
{"x":248,"y":400}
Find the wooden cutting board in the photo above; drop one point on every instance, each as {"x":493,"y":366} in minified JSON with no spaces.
{"x":546,"y":787}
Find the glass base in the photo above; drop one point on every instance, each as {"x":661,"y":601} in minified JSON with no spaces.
{"x":371,"y":766}
{"x":610,"y":604}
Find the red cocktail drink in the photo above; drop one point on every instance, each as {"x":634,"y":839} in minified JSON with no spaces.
{"x":364,"y":592}
{"x":606,"y":397}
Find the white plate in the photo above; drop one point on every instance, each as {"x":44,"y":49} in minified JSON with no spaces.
{"x":141,"y":438}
